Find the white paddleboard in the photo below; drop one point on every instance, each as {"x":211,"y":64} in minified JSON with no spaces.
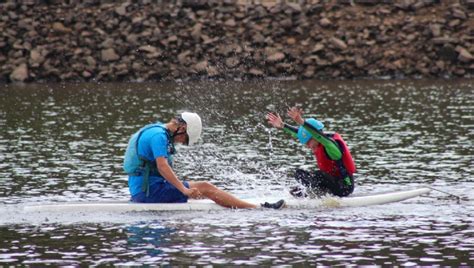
{"x":126,"y":206}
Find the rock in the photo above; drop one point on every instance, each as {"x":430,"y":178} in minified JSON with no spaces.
{"x":256,"y":72}
{"x":172,"y":39}
{"x":444,"y":40}
{"x":86,"y":74}
{"x":440,"y":64}
{"x":399,"y":64}
{"x":232,"y":62}
{"x":212,"y":71}
{"x":109,"y":55}
{"x":291,"y":41}
{"x":309,"y":60}
{"x":325,"y":22}
{"x":18,"y":45}
{"x":460,"y":71}
{"x":229,"y":49}
{"x":318,"y":47}
{"x":108,"y":43}
{"x":294,"y":7}
{"x":121,"y":69}
{"x":27,"y":45}
{"x":132,"y":39}
{"x":405,"y":4}
{"x":91,"y":61}
{"x":321,"y":62}
{"x":454,"y":23}
{"x":258,"y":38}
{"x":309,"y":72}
{"x":20,"y":74}
{"x":196,"y":32}
{"x":435,"y":30}
{"x":201,"y":66}
{"x":138,"y":20}
{"x":122,"y":9}
{"x":277,"y":56}
{"x":230,"y":23}
{"x":336,"y":60}
{"x":35,"y":57}
{"x":465,"y":56}
{"x":420,"y":4}
{"x":183,"y":57}
{"x":59,"y":27}
{"x":136,"y":66}
{"x":360,"y":62}
{"x":286,"y":23}
{"x":338,"y":43}
{"x":148,"y":49}
{"x":457,"y":13}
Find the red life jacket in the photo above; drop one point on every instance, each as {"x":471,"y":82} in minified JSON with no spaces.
{"x":335,"y":168}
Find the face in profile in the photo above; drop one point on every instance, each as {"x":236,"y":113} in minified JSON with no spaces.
{"x":182,"y":137}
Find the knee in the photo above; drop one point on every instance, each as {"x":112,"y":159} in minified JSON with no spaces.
{"x":205,"y":187}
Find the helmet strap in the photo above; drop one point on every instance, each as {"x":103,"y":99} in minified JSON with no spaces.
{"x":177,"y":133}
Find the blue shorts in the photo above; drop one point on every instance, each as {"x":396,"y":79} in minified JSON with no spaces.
{"x":162,"y":192}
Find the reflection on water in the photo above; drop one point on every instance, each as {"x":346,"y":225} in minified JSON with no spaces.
{"x":63,"y":143}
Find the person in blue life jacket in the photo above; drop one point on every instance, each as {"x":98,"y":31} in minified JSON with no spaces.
{"x":333,"y":158}
{"x":149,"y":164}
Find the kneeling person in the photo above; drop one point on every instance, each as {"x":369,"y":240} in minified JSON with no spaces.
{"x":335,"y":162}
{"x":149,"y":160}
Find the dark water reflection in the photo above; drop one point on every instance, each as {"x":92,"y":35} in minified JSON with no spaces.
{"x":65,"y":142}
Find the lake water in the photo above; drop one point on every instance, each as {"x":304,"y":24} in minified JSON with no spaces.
{"x":62,"y":143}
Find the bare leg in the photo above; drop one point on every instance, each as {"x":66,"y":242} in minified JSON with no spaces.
{"x":219,"y":196}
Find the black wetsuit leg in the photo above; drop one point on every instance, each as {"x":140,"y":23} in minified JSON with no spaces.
{"x":305,"y":178}
{"x":334,"y":185}
{"x":320,"y":183}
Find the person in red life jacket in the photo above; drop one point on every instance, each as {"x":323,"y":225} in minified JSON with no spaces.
{"x":336,"y":165}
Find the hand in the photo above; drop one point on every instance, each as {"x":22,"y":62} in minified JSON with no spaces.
{"x":192,"y":193}
{"x":275,"y":120}
{"x":296,"y":114}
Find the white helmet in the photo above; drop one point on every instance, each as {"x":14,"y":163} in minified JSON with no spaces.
{"x":193,"y":126}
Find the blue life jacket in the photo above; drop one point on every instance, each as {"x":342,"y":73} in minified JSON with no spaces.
{"x":137,"y":165}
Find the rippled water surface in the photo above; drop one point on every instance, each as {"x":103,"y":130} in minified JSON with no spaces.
{"x":63,"y":143}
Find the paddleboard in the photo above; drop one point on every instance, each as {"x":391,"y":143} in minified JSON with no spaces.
{"x":203,"y":205}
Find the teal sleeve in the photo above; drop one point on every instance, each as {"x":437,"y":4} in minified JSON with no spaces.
{"x":331,"y":147}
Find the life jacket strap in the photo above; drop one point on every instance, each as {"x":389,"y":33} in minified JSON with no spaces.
{"x":345,"y":176}
{"x":146,"y":179}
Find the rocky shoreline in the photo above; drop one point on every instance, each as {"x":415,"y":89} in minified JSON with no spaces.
{"x":148,"y":40}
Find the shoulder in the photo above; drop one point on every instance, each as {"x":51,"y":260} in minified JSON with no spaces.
{"x":156,"y":134}
{"x":336,"y":136}
{"x":154,"y":129}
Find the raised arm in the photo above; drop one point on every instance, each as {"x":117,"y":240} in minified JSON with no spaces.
{"x":276,"y":121}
